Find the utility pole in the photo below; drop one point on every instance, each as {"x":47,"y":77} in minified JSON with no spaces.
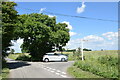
{"x":82,"y":48}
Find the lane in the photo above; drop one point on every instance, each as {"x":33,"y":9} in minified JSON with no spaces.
{"x":60,"y":67}
{"x":20,"y":69}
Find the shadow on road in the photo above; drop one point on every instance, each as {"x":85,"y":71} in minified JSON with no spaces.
{"x":14,"y":65}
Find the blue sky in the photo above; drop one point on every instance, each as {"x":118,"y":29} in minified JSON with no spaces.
{"x":100,"y":34}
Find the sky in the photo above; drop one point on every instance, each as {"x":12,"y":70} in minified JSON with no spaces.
{"x":98,"y":34}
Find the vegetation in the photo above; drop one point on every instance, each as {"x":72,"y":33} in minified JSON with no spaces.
{"x":12,"y":51}
{"x":75,"y":55}
{"x":24,"y":49}
{"x":79,"y":73}
{"x":9,"y":20}
{"x":5,"y":70}
{"x":101,"y":63}
{"x":41,"y":34}
{"x":20,"y":56}
{"x":24,"y":57}
{"x":72,"y":50}
{"x":85,"y":49}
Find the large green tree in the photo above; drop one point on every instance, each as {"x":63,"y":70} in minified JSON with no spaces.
{"x":9,"y":20}
{"x":24,"y":49}
{"x":41,"y":34}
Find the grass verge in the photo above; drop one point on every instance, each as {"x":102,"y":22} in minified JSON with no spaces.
{"x":99,"y":63}
{"x":79,"y":73}
{"x":20,"y":56}
{"x":5,"y":73}
{"x":5,"y":70}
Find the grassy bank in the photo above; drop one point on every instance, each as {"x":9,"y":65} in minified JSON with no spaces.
{"x":5,"y":70}
{"x":100,"y":63}
{"x":20,"y":56}
{"x":79,"y":73}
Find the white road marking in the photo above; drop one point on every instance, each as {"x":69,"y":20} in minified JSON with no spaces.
{"x":44,"y":68}
{"x":50,"y":68}
{"x":52,"y":71}
{"x":47,"y":67}
{"x":57,"y":72}
{"x":63,"y":73}
{"x":63,"y":76}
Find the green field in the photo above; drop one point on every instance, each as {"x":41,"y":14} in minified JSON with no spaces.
{"x":100,"y":63}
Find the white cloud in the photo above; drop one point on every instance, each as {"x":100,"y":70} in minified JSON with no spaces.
{"x":16,"y":45}
{"x":73,"y":44}
{"x":68,"y":23}
{"x":110,"y":35}
{"x":51,"y":16}
{"x":96,"y":42}
{"x":42,"y":9}
{"x":93,"y":38}
{"x":72,"y":33}
{"x":81,"y":9}
{"x":20,"y":41}
{"x":70,"y":28}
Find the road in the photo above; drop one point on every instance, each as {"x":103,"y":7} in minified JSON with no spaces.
{"x":20,"y":69}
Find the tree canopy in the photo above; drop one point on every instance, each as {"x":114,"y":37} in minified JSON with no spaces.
{"x":41,"y":33}
{"x":9,"y":20}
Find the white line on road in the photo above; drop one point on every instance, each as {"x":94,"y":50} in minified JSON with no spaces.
{"x":57,"y":72}
{"x":63,"y":73}
{"x":63,"y":76}
{"x":52,"y":71}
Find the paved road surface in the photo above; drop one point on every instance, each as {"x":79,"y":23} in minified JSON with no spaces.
{"x":19,"y":69}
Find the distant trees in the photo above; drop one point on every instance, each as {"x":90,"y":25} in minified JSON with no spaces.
{"x":85,"y":49}
{"x":72,"y":50}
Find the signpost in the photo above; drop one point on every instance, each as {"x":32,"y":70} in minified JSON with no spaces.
{"x":82,"y":48}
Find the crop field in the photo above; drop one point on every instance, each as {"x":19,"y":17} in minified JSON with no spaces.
{"x":100,"y":63}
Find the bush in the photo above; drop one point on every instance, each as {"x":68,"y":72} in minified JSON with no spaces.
{"x":108,"y":60}
{"x":98,"y":69}
{"x":23,"y":57}
{"x":4,"y":65}
{"x":5,"y":70}
{"x":35,"y":59}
